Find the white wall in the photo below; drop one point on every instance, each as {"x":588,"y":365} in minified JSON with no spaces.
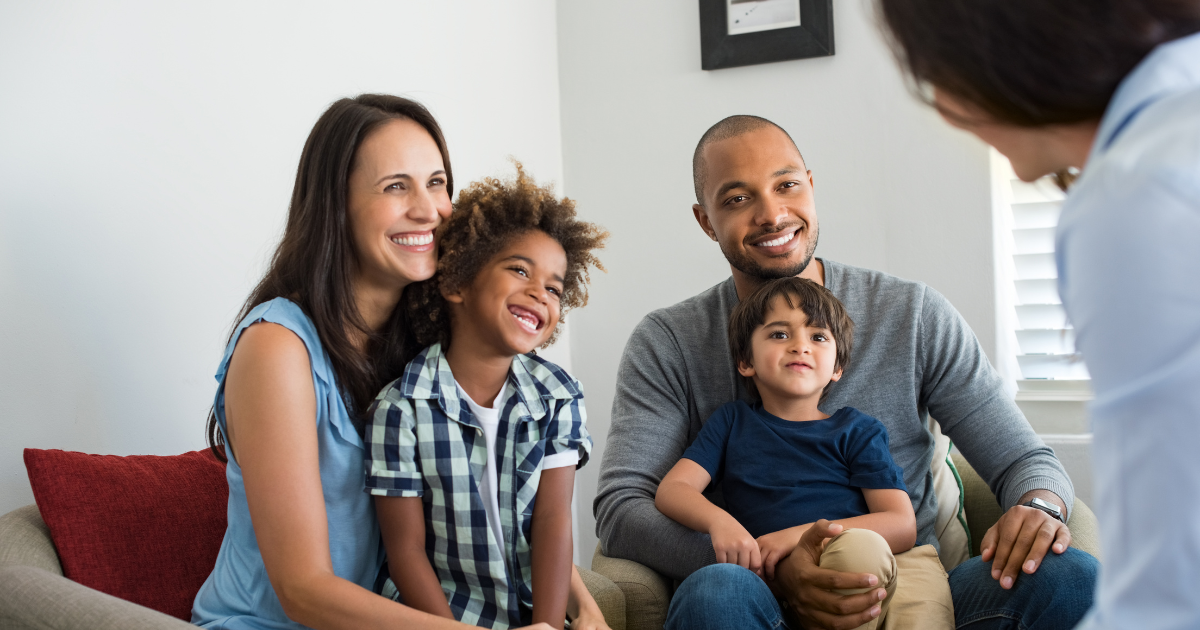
{"x":897,"y":189}
{"x":147,"y":152}
{"x":147,"y":155}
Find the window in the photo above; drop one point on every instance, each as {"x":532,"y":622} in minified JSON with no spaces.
{"x":1036,"y":343}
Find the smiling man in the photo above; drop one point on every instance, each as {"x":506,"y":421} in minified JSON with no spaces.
{"x":913,"y":357}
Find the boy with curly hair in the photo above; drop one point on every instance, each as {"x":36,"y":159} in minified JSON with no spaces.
{"x":473,"y":451}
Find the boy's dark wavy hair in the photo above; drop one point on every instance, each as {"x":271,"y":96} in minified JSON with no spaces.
{"x":815,"y":301}
{"x":487,"y":216}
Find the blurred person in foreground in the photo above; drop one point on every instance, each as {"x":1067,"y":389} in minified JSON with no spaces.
{"x":1108,"y":91}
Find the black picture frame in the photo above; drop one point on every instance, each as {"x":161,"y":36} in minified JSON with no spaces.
{"x":719,"y":49}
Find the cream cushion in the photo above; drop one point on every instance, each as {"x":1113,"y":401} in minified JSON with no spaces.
{"x":954,"y":537}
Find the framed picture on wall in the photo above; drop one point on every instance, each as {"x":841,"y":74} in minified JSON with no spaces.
{"x":747,"y":32}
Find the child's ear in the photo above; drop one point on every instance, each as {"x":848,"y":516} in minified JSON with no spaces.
{"x":454,"y":297}
{"x":836,"y":375}
{"x":745,"y":369}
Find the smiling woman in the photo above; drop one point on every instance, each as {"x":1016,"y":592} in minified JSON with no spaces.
{"x":398,"y":192}
{"x":316,"y":340}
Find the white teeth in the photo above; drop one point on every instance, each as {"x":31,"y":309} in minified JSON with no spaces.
{"x":779,"y":241}
{"x":416,"y":239}
{"x":527,"y":322}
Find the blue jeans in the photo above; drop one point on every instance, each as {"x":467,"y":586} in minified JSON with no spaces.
{"x":721,"y":596}
{"x":728,"y":597}
{"x":1057,"y":596}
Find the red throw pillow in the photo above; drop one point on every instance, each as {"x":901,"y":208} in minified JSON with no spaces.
{"x":144,"y":528}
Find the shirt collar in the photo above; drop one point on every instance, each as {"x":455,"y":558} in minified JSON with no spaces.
{"x":1168,"y":69}
{"x":534,"y":379}
{"x":538,"y":380}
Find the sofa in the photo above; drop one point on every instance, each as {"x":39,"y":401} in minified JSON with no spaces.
{"x":169,"y":513}
{"x":35,"y":593}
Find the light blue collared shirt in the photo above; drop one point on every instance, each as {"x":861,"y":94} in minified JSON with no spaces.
{"x":1129,"y":258}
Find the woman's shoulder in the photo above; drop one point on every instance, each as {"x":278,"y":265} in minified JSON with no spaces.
{"x":283,"y":312}
{"x":270,"y":339}
{"x":290,"y":337}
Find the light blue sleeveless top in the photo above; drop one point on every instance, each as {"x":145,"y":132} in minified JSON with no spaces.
{"x":238,"y":595}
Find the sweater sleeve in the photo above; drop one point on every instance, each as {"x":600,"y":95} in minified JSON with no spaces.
{"x":966,"y":395}
{"x":648,"y":434}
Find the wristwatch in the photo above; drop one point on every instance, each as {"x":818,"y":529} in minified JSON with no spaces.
{"x":1046,"y":507}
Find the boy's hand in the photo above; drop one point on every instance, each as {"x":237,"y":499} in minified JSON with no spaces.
{"x":778,"y":545}
{"x":589,"y":620}
{"x":735,"y":545}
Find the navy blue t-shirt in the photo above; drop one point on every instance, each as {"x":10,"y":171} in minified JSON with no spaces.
{"x":777,"y":474}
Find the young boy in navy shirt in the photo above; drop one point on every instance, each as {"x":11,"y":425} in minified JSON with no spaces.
{"x":783,"y":464}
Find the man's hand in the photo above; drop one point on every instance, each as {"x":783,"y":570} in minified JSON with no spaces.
{"x":778,"y":545}
{"x":807,"y":590}
{"x":1020,"y":539}
{"x":735,"y":545}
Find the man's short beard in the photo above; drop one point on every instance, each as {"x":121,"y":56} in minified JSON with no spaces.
{"x":750,"y":267}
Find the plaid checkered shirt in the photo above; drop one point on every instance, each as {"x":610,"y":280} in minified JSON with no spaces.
{"x":423,"y":441}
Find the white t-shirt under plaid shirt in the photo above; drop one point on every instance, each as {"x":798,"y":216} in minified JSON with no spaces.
{"x":424,"y":441}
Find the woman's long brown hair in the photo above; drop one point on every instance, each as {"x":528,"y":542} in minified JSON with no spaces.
{"x":314,"y":263}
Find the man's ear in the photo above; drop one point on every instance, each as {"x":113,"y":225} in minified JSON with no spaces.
{"x":745,"y":369}
{"x":702,"y":219}
{"x":454,"y":297}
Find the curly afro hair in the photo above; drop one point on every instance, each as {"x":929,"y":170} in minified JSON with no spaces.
{"x":488,"y":215}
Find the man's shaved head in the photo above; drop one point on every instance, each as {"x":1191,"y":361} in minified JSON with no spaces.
{"x":730,"y":127}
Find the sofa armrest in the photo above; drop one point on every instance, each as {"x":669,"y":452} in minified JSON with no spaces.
{"x":35,"y":599}
{"x":1085,"y":529}
{"x":983,"y":511}
{"x":647,"y":593}
{"x":608,"y":597}
{"x":25,"y":541}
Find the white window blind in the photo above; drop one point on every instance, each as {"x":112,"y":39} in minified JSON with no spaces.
{"x":1033,"y":325}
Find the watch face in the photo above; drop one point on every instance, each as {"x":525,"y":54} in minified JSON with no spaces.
{"x":1046,"y":507}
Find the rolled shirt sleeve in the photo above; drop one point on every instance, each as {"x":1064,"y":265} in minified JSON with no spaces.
{"x":568,"y":442}
{"x":392,"y":466}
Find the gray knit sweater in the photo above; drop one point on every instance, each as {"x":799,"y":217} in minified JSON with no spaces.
{"x":913,"y":356}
